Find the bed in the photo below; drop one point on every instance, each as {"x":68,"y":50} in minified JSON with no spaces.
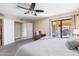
{"x":46,"y":47}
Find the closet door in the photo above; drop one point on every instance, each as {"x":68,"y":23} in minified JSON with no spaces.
{"x":18,"y":30}
{"x":24,"y":31}
{"x":29,"y":30}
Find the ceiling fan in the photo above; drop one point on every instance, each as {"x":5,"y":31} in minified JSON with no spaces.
{"x":31,"y":9}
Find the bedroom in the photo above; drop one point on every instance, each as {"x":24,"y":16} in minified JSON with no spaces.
{"x":24,"y":28}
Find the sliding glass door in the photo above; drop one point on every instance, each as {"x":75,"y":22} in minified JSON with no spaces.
{"x":62,"y":28}
{"x":56,"y":29}
{"x":66,"y":28}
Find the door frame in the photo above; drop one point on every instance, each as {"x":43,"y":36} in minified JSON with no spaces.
{"x":2,"y":31}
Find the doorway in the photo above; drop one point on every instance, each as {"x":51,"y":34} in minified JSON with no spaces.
{"x":62,"y":28}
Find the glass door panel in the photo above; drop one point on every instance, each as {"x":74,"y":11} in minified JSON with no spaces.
{"x":56,"y":29}
{"x":66,"y":28}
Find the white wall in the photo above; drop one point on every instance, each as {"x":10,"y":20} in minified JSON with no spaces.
{"x":42,"y":25}
{"x":8,"y":31}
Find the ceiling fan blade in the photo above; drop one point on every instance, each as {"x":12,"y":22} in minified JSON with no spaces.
{"x":39,"y":10}
{"x":32,"y":6}
{"x":26,"y":12}
{"x":22,"y":7}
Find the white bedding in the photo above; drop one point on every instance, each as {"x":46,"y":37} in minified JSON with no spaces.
{"x":48,"y":47}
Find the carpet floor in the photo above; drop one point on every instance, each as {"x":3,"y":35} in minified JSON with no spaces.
{"x":10,"y":50}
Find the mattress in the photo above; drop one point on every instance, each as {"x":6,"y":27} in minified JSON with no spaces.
{"x":47,"y":47}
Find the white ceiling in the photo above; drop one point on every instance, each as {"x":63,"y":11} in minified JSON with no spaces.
{"x":50,"y":9}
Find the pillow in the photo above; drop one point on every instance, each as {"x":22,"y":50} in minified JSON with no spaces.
{"x":73,"y":44}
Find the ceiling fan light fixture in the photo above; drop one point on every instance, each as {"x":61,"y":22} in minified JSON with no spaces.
{"x":35,"y":14}
{"x":31,"y":9}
